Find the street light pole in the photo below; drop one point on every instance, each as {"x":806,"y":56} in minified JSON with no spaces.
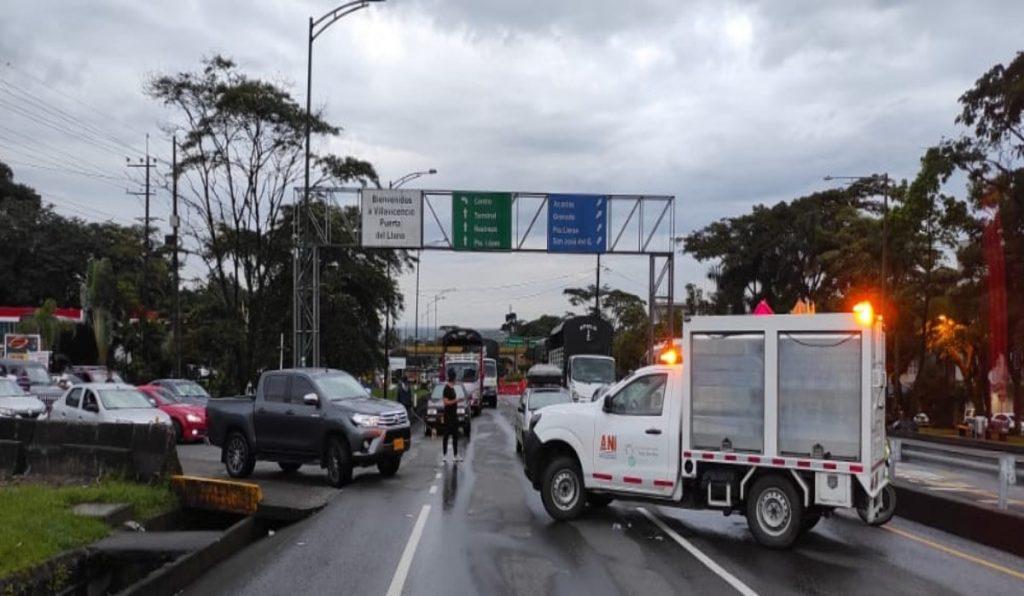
{"x":316,"y":27}
{"x":410,"y":176}
{"x":419,"y":254}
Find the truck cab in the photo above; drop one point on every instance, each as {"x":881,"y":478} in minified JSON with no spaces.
{"x":777,"y":417}
{"x":489,"y":397}
{"x":586,"y":373}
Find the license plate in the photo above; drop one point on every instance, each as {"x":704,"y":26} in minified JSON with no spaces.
{"x":399,"y":444}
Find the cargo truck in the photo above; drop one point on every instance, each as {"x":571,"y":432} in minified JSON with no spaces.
{"x":778,"y":418}
{"x":581,"y":347}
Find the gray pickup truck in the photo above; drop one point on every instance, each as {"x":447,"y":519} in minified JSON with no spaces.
{"x":309,"y":416}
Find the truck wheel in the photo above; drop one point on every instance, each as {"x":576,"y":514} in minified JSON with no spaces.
{"x":289,"y":466}
{"x":598,"y":501}
{"x":426,"y":430}
{"x":519,"y":446}
{"x":238,"y":457}
{"x":562,"y":489}
{"x":179,"y":434}
{"x":389,"y":467}
{"x":339,"y":463}
{"x":774,"y":512}
{"x":465,"y":431}
{"x":887,"y":510}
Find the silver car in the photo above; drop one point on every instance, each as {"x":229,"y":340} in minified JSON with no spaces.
{"x":15,"y":403}
{"x":532,"y":400}
{"x":107,"y":402}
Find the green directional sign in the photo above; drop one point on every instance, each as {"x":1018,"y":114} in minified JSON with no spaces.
{"x":514,"y":341}
{"x":482,"y":220}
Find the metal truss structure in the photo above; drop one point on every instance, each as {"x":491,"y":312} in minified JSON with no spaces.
{"x":642,"y":225}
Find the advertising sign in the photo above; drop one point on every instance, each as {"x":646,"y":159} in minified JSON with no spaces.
{"x":577,"y":223}
{"x":392,"y":218}
{"x":21,"y":344}
{"x":481,"y":220}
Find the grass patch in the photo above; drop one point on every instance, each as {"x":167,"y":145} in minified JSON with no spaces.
{"x":36,"y":521}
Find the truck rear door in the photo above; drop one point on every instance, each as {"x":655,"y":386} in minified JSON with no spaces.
{"x":634,"y":437}
{"x":270,"y":418}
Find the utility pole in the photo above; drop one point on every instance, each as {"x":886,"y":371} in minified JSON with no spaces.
{"x":148,"y":164}
{"x":175,"y":222}
{"x":387,"y":331}
{"x":597,"y":288}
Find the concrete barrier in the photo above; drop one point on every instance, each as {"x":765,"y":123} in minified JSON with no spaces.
{"x":998,"y":529}
{"x":46,"y":448}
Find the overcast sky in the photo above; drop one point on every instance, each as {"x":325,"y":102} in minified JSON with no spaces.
{"x":722,"y":104}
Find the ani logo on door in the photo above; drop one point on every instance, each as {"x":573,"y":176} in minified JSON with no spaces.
{"x":609,"y":446}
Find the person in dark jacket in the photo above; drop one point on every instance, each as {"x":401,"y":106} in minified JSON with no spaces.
{"x":451,"y":417}
{"x":405,"y":393}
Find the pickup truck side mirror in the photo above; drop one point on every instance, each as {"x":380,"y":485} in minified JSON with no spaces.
{"x":607,"y":405}
{"x":311,"y":399}
{"x":521,"y":408}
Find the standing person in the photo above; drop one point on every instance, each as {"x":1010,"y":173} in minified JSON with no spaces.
{"x":405,"y":393}
{"x":451,"y":417}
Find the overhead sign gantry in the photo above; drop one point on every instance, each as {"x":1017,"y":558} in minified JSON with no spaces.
{"x":483,"y":221}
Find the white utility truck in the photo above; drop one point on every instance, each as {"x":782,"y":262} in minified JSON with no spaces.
{"x":780,"y":418}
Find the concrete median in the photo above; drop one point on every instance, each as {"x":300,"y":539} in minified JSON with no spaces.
{"x":985,"y":525}
{"x":218,"y":495}
{"x":45,"y":448}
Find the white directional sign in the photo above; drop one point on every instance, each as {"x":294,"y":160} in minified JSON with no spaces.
{"x":392,"y":218}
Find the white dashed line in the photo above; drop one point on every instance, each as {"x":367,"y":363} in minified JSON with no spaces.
{"x":741,"y":587}
{"x":402,"y":571}
{"x":438,"y":475}
{"x":433,"y":489}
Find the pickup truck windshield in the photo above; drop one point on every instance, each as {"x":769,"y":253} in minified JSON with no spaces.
{"x":593,"y":370}
{"x":123,"y":399}
{"x":9,"y":388}
{"x":339,"y":387}
{"x":438,"y":392}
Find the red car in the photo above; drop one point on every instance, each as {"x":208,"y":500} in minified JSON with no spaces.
{"x":189,"y":418}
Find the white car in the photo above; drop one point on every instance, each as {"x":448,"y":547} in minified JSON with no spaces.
{"x":107,"y":402}
{"x":14,"y":402}
{"x":533,"y":399}
{"x":1007,"y":420}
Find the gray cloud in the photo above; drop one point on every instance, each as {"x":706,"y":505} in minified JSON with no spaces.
{"x":724,"y":104}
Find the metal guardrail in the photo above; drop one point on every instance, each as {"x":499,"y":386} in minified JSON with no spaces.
{"x":1003,"y":465}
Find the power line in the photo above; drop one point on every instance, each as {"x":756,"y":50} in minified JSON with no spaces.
{"x":57,"y":125}
{"x":102,"y":114}
{"x":74,"y":158}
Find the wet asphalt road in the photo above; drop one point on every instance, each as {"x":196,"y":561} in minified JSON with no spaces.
{"x":483,"y":530}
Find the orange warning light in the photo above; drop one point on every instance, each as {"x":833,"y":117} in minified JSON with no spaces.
{"x":864,"y":312}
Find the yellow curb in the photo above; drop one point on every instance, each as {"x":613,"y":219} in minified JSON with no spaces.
{"x":218,"y":495}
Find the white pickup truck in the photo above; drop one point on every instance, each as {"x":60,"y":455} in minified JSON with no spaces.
{"x":781,"y":418}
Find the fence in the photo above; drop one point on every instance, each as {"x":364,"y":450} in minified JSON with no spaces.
{"x":1002,"y":465}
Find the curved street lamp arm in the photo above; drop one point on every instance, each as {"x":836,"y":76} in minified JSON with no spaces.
{"x":411,"y":176}
{"x":320,"y":25}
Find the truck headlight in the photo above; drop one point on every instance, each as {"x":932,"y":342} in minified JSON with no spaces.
{"x":365,"y":420}
{"x":193,"y":418}
{"x":461,"y":410}
{"x":431,"y":412}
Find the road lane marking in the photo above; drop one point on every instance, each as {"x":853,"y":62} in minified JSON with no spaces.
{"x":433,"y":489}
{"x":438,"y":475}
{"x":402,"y":571}
{"x":731,"y":579}
{"x":956,"y":553}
